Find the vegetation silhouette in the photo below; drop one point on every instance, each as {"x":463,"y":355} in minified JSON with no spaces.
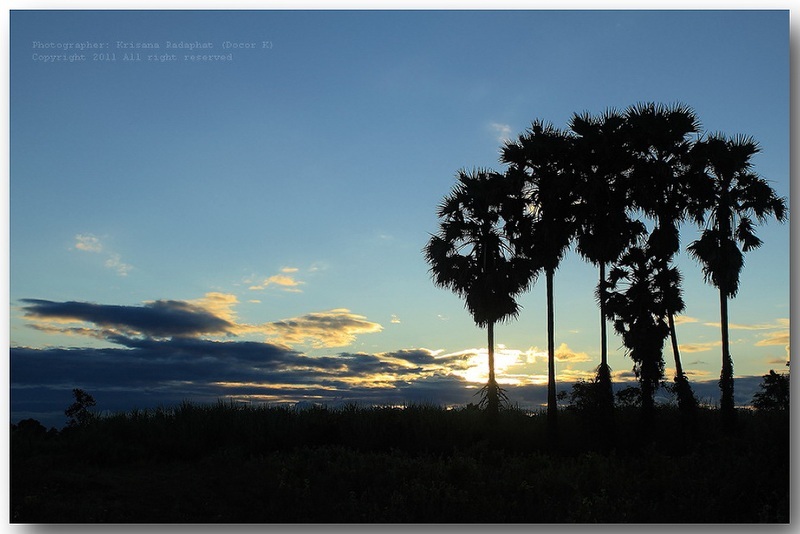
{"x":603,"y":212}
{"x":592,"y":185}
{"x":600,"y":458}
{"x":473,"y":255}
{"x":733,"y":196}
{"x":235,"y":463}
{"x":79,"y":412}
{"x":774,"y":394}
{"x":659,"y":139}
{"x":638,"y":312}
{"x":541,"y":157}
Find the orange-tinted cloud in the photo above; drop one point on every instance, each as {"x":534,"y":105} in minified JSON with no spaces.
{"x":283,"y":281}
{"x":333,"y":328}
{"x":699,"y":347}
{"x":566,"y":354}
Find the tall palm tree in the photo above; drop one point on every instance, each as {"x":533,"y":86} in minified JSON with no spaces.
{"x":542,"y":157}
{"x":659,"y":141}
{"x":735,"y":196}
{"x":604,"y":226}
{"x":473,"y":256}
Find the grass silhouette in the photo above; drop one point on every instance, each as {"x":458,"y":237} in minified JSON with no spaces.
{"x":227,"y":463}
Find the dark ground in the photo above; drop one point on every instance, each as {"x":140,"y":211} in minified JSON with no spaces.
{"x":421,"y":464}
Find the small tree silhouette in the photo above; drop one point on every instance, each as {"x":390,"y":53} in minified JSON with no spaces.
{"x":78,"y":411}
{"x":774,"y":394}
{"x":630,"y":397}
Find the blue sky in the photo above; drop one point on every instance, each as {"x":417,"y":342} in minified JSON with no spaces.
{"x":275,"y":204}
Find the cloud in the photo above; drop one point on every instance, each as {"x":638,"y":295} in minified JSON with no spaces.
{"x":779,"y":323}
{"x":114,"y":262}
{"x":503,"y":131}
{"x":284,"y":281}
{"x":565,"y":354}
{"x":334,"y":328}
{"x":570,"y":376}
{"x":151,"y":372}
{"x":219,"y":304}
{"x":211,"y":315}
{"x":88,"y":243}
{"x":512,"y":366}
{"x":161,"y":318}
{"x":683,"y":319}
{"x":775,"y":338}
{"x":778,"y":361}
{"x":92,"y":243}
{"x":698,"y":347}
{"x":395,"y":319}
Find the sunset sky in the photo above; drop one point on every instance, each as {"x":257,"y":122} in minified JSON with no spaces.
{"x":250,"y":226}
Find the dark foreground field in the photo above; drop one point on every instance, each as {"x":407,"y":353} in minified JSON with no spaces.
{"x":223,"y":464}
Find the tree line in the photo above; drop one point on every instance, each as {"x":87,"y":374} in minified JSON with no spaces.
{"x":617,"y":187}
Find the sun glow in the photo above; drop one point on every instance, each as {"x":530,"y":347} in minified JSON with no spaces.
{"x":512,"y":366}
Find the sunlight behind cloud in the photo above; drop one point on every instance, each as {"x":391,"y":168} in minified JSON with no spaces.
{"x":512,"y":366}
{"x":219,"y":304}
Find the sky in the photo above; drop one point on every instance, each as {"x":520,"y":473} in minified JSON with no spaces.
{"x":239,"y":214}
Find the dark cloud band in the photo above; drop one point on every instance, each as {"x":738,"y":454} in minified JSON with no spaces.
{"x":162,"y":318}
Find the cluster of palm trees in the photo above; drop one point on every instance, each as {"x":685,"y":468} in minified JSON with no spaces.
{"x":617,"y":186}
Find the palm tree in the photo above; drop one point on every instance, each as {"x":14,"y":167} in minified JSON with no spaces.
{"x":735,"y":196}
{"x":604,"y":226}
{"x":542,"y":157}
{"x":636,"y":304}
{"x":473,"y":256}
{"x":660,"y":145}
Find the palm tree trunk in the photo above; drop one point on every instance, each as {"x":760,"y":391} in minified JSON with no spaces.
{"x":492,"y":396}
{"x":604,"y":371}
{"x":686,"y":400}
{"x":726,"y":377}
{"x":603,"y":335}
{"x":674,"y":338}
{"x":552,"y":406}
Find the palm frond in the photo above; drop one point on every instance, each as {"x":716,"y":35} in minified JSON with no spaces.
{"x":745,"y":234}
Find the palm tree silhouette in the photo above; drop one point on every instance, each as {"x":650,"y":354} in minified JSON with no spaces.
{"x":660,"y":145}
{"x":542,"y":156}
{"x":734,"y":196}
{"x":638,"y":310}
{"x":473,"y":255}
{"x":669,"y":281}
{"x":604,"y":227}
